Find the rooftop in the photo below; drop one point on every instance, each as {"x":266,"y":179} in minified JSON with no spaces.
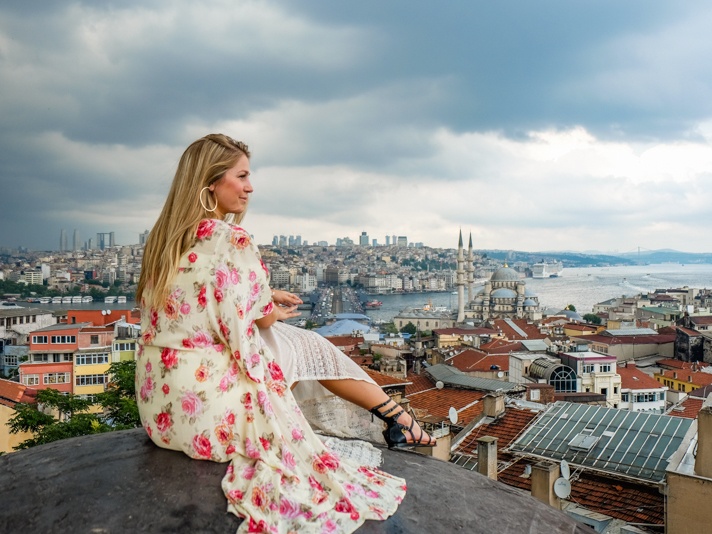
{"x":120,"y":482}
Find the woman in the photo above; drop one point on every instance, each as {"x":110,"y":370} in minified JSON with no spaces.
{"x":209,"y":385}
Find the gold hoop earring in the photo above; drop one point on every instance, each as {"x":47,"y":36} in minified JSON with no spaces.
{"x":200,"y":197}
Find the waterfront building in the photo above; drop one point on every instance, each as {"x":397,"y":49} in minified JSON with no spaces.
{"x":631,"y":343}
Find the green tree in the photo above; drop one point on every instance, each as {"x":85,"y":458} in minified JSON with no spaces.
{"x":389,"y":328}
{"x":119,"y":399}
{"x":410,"y":328}
{"x":71,"y":418}
{"x":592,"y":318}
{"x":571,"y":307}
{"x":67,"y":416}
{"x":310,"y":325}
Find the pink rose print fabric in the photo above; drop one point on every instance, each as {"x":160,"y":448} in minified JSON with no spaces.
{"x":209,"y":387}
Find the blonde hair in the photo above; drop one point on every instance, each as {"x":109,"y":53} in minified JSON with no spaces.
{"x":203,"y":163}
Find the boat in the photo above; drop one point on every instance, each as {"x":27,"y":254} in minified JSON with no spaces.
{"x":76,"y":299}
{"x":45,"y":300}
{"x":66,"y":300}
{"x":56,"y":300}
{"x":121,"y":300}
{"x":109,"y":300}
{"x":544,"y":269}
{"x":87,"y":298}
{"x":373,"y":304}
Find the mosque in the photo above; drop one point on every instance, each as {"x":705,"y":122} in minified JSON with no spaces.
{"x":504,"y":295}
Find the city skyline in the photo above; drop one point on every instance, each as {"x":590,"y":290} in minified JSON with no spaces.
{"x":534,"y":126}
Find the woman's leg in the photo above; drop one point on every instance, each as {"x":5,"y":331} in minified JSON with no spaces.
{"x":368,"y":396}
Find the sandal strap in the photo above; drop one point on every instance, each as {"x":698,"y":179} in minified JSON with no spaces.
{"x":388,"y":414}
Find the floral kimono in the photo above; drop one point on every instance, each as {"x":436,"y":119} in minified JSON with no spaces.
{"x":207,"y":385}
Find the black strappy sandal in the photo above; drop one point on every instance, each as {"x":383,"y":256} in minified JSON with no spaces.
{"x":395,"y":433}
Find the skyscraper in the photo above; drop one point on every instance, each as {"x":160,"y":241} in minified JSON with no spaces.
{"x":75,"y":240}
{"x":62,"y":240}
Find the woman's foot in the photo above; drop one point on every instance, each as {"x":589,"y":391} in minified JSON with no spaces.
{"x":402,"y":431}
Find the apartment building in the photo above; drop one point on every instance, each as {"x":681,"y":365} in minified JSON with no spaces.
{"x":597,"y":373}
{"x":51,"y":357}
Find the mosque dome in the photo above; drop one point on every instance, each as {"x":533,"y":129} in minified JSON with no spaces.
{"x":505,"y":274}
{"x":504,"y":293}
{"x":530,"y":302}
{"x":529,"y":293}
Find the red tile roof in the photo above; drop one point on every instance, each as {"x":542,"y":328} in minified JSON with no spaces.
{"x":13,"y":392}
{"x":671,"y":363}
{"x":501,"y":346}
{"x":384,"y":380}
{"x":688,"y":408}
{"x":465,"y":331}
{"x":342,"y":341}
{"x":471,"y":360}
{"x":531,"y":330}
{"x":701,"y":319}
{"x":697,"y":378}
{"x":423,"y":395}
{"x":633,"y":378}
{"x":506,"y":429}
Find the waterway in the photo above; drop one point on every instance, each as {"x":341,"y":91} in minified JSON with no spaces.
{"x":583,"y":287}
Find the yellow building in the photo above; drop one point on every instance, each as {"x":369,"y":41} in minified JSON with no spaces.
{"x":10,"y":394}
{"x":90,"y":372}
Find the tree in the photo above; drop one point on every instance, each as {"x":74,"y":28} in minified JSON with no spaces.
{"x":389,"y":328}
{"x":571,"y":307}
{"x":119,"y":399}
{"x":71,"y":418}
{"x":410,"y":328}
{"x":592,"y":318}
{"x":67,"y":416}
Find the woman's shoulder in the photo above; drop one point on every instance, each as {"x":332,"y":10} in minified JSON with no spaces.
{"x":217,"y":229}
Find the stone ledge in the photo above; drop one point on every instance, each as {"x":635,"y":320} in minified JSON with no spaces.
{"x":120,"y":482}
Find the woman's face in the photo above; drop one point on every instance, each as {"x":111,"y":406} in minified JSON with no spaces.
{"x":232,"y":191}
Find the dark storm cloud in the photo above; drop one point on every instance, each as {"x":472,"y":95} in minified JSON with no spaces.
{"x":358,"y":100}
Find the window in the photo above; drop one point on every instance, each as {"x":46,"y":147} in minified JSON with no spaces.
{"x":587,"y":368}
{"x":615,"y":390}
{"x":606,"y":368}
{"x":124,"y":346}
{"x":11,"y":359}
{"x":31,"y":380}
{"x":624,"y":397}
{"x":56,"y":378}
{"x":92,"y":359}
{"x":90,"y":398}
{"x":90,"y":380}
{"x":39,"y":339}
{"x":64,"y":339}
{"x":94,"y":339}
{"x":38,"y":358}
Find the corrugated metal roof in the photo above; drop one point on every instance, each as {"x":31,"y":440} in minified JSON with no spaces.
{"x":454,"y":377}
{"x":633,"y":444}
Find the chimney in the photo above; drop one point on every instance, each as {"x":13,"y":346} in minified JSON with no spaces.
{"x":674,"y":375}
{"x":493,"y":405}
{"x":487,"y":456}
{"x":689,"y":378}
{"x":544,"y":474}
{"x":703,"y":460}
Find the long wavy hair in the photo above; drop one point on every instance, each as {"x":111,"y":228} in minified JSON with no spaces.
{"x":203,"y":163}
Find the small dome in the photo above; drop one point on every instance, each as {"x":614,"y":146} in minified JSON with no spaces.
{"x":571,"y":315}
{"x":530,"y":302}
{"x":477,"y":301}
{"x":529,"y":293}
{"x":504,"y":293}
{"x":505,"y":274}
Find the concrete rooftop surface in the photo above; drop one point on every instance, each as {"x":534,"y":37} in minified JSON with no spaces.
{"x":120,"y":482}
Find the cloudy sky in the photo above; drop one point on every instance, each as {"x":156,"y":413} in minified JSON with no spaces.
{"x":535,"y":125}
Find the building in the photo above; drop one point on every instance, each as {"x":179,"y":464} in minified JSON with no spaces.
{"x":640,"y":392}
{"x":10,"y":394}
{"x":631,"y":343}
{"x":363,"y":239}
{"x":596,"y":373}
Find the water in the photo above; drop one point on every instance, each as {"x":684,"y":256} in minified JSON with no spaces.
{"x":583,"y":287}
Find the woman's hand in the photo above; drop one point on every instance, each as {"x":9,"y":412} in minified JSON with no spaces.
{"x":285,"y":298}
{"x":279,"y":313}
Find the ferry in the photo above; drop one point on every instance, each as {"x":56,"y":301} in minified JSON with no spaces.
{"x":373,"y":304}
{"x":77,"y":299}
{"x":87,"y":298}
{"x":56,"y":300}
{"x":66,"y":300}
{"x":547,"y":269}
{"x":109,"y":300}
{"x":45,"y":300}
{"x":121,"y":300}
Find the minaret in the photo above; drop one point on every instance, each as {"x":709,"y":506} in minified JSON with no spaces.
{"x":460,"y":282}
{"x":470,"y":271}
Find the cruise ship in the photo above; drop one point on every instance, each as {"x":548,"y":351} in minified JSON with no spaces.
{"x":547,"y":269}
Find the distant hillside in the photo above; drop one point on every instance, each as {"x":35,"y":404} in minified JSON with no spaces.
{"x":667,"y":256}
{"x":569,"y":259}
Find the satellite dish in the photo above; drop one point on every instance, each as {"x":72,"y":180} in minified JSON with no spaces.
{"x":103,"y":312}
{"x":565,"y":471}
{"x":439,"y":384}
{"x":452,"y":413}
{"x":500,"y":374}
{"x":562,"y":488}
{"x":108,"y":312}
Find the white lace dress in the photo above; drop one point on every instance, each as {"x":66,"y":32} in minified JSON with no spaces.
{"x":305,"y":358}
